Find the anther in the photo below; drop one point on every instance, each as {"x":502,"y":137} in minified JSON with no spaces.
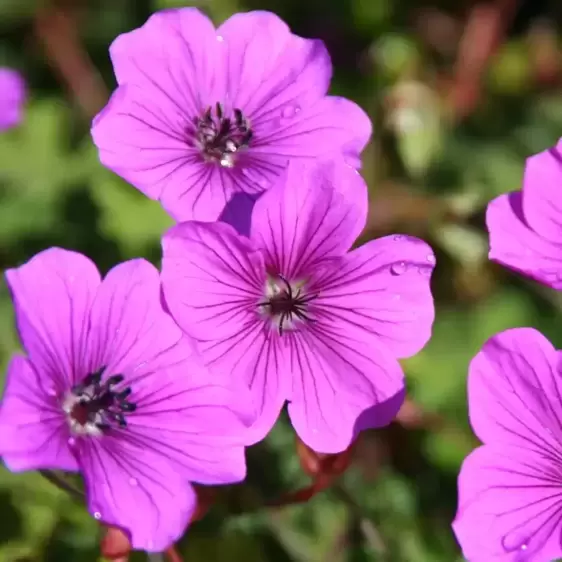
{"x":219,"y":137}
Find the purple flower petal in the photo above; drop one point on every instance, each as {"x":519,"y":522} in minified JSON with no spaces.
{"x":514,"y":244}
{"x":12,"y":97}
{"x":52,"y":294}
{"x":541,"y":186}
{"x":172,"y":391}
{"x":128,"y":326}
{"x":331,"y":124}
{"x":218,"y":112}
{"x":526,"y":227}
{"x":137,"y":490}
{"x":510,"y":490}
{"x":269,"y":69}
{"x":213,"y":280}
{"x":33,"y":431}
{"x":510,"y":506}
{"x":173,"y":56}
{"x":341,"y":385}
{"x":196,"y":419}
{"x":513,"y":385}
{"x":382,"y":288}
{"x":300,"y":226}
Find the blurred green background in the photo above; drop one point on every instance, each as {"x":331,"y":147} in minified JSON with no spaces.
{"x":459,"y":93}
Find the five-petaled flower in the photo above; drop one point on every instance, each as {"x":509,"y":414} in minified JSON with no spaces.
{"x":526,"y":226}
{"x":12,"y":97}
{"x":292,"y":313}
{"x":510,"y":488}
{"x":111,"y":387}
{"x":202,"y":113}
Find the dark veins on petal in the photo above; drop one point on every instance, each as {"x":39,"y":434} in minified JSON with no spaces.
{"x":100,"y":404}
{"x":219,"y":138}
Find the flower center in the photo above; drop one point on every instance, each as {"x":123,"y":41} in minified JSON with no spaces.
{"x":220,"y":138}
{"x":93,"y":406}
{"x":286,"y":303}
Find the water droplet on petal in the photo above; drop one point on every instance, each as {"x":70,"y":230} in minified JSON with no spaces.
{"x":97,"y":515}
{"x":398,"y":237}
{"x":133,"y":481}
{"x":398,"y":268}
{"x":71,"y":441}
{"x":263,"y":183}
{"x":290,"y":111}
{"x":430,"y":258}
{"x":425,"y":271}
{"x":515,"y":541}
{"x":220,"y":38}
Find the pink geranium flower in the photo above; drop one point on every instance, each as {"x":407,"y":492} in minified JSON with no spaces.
{"x":295,"y":314}
{"x":12,"y":97}
{"x":203,"y":113}
{"x":526,"y":226}
{"x":110,"y":387}
{"x":510,"y":489}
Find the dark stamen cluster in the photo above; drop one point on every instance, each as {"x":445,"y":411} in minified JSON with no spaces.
{"x":99,"y":403}
{"x":219,"y":137}
{"x":287,"y":304}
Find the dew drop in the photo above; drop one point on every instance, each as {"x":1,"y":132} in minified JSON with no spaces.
{"x":425,"y":271}
{"x":97,"y":515}
{"x":288,"y":111}
{"x":430,"y":258}
{"x":71,"y":441}
{"x":398,"y":237}
{"x":515,"y":541}
{"x":133,"y":482}
{"x":220,"y":38}
{"x":398,"y":268}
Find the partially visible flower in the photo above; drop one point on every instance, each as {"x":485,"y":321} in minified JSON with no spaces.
{"x":294,"y":314}
{"x":110,"y":387}
{"x":526,"y":226}
{"x":12,"y":97}
{"x":510,"y":489}
{"x":203,"y":113}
